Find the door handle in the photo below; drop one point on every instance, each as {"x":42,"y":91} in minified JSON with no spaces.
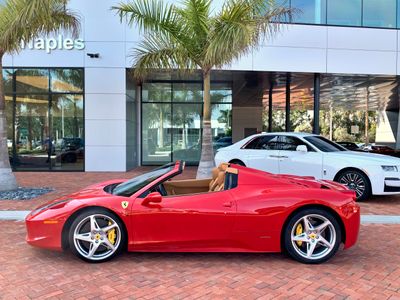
{"x":274,"y":156}
{"x":283,"y":156}
{"x":228,"y":204}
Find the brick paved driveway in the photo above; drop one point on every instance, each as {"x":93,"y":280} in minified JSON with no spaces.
{"x":370,"y":270}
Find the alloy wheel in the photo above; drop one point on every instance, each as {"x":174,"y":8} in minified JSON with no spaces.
{"x":313,"y":237}
{"x":354,"y":182}
{"x":97,"y":237}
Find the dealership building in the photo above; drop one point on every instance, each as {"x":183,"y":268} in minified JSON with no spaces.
{"x":73,"y":105}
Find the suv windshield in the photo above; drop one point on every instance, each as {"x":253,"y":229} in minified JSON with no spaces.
{"x":324,"y":144}
{"x":128,"y":188}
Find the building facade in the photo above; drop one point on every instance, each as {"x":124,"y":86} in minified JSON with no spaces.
{"x":72,"y":104}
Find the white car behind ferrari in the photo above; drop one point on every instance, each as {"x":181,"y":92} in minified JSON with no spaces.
{"x":313,"y":155}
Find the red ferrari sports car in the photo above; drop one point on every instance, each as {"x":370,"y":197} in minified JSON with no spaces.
{"x":237,"y":210}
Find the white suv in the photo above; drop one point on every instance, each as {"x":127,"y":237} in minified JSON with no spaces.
{"x":308,"y":154}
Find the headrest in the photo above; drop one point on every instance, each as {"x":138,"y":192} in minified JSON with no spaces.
{"x":232,"y":170}
{"x":214,"y":173}
{"x":221,"y":178}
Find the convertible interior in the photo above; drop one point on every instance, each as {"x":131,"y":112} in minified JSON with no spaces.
{"x":223,"y":178}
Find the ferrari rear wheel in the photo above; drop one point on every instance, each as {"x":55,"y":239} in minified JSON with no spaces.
{"x":312,"y":236}
{"x":96,"y":236}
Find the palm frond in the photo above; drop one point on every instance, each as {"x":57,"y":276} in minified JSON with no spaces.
{"x":196,"y":14}
{"x":160,"y":52}
{"x":241,"y":26}
{"x":23,"y":20}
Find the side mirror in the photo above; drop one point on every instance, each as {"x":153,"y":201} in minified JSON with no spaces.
{"x":301,"y":148}
{"x":152,"y":198}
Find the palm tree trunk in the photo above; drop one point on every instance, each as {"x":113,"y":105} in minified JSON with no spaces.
{"x":7,"y":178}
{"x":207,"y":152}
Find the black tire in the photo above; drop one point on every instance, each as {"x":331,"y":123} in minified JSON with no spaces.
{"x":237,"y":162}
{"x":358,"y":176}
{"x":97,"y":238}
{"x":320,"y":253}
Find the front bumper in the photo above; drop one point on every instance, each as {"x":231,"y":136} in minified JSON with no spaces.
{"x":43,"y":232}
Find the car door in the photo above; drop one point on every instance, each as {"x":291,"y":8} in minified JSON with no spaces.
{"x":184,"y":222}
{"x":262,"y":153}
{"x":302,"y":163}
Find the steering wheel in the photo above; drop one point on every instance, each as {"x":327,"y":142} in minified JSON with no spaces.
{"x":161,"y":189}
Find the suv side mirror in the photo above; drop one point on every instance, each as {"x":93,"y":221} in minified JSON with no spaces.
{"x":152,"y":198}
{"x":301,"y":148}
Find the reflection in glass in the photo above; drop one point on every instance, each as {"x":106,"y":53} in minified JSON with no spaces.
{"x":186,"y":133}
{"x":221,"y":92}
{"x":310,"y":11}
{"x":279,"y":103}
{"x":32,"y":141}
{"x":187,"y":92}
{"x":221,"y":124}
{"x":156,"y":133}
{"x":32,"y":80}
{"x":302,"y":103}
{"x":66,"y":80}
{"x":379,"y":13}
{"x":344,"y":12}
{"x":7,"y":80}
{"x":67,"y":132}
{"x":156,"y":92}
{"x":9,"y":120}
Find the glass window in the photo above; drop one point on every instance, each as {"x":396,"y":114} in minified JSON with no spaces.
{"x":8,"y":80}
{"x":302,"y":103}
{"x":34,"y":146}
{"x":344,"y":12}
{"x":67,"y":125}
{"x":187,"y":92}
{"x":186,"y":141}
{"x":32,"y":81}
{"x":221,"y":92}
{"x":268,"y":142}
{"x":379,"y":13}
{"x":156,"y":133}
{"x":221,"y":124}
{"x":66,"y":80}
{"x":324,"y":144}
{"x":156,"y":92}
{"x":45,"y":130}
{"x":309,"y":11}
{"x":290,"y":143}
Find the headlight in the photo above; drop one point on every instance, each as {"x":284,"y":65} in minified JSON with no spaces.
{"x":389,"y":168}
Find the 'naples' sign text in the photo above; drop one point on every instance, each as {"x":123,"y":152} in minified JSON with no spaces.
{"x":50,"y":44}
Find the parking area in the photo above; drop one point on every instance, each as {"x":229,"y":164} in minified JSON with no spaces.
{"x":370,"y":270}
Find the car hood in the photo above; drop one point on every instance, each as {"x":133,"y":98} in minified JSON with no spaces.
{"x":367,"y":158}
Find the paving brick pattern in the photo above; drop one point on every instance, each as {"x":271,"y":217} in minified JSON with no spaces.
{"x":370,"y":270}
{"x":65,"y":183}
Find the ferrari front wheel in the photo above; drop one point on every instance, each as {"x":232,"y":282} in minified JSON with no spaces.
{"x":96,"y":236}
{"x":312,"y":236}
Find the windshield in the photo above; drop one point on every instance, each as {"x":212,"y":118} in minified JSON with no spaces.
{"x":128,"y":188}
{"x":324,"y":144}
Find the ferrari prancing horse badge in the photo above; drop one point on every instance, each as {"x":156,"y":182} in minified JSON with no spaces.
{"x":124,"y":204}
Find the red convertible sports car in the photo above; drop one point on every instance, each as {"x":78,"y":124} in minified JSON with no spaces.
{"x":237,"y":210}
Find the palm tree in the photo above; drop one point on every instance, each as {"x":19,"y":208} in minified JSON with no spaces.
{"x":22,"y":21}
{"x":190,"y":37}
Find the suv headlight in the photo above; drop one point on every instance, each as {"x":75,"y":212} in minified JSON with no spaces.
{"x":389,"y":168}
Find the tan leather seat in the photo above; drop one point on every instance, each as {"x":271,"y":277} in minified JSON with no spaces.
{"x":218,"y":185}
{"x":223,"y":166}
{"x":214,"y":172}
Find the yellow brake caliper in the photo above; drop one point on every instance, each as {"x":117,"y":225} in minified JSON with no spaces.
{"x":299,"y":230}
{"x":111,"y":234}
